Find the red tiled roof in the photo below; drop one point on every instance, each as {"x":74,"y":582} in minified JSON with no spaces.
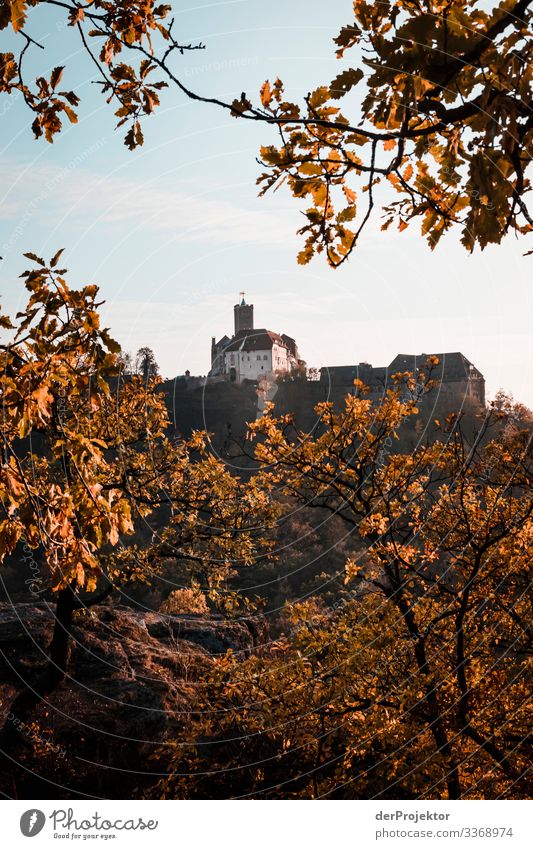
{"x":255,"y":340}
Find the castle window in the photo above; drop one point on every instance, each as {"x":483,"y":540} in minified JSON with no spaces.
{"x":265,"y":357}
{"x":259,"y":356}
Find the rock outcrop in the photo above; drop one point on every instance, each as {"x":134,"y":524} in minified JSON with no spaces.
{"x":132,"y":684}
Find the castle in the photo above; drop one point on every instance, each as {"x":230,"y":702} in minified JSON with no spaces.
{"x":252,"y":354}
{"x":455,"y":377}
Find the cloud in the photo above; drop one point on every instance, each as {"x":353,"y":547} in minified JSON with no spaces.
{"x":76,"y":193}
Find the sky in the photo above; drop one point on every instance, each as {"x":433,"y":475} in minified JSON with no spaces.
{"x":175,"y":230}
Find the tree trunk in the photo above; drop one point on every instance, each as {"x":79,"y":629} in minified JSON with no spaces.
{"x":436,"y":723}
{"x":12,"y":733}
{"x":60,"y":644}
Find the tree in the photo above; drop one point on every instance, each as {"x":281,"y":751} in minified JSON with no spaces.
{"x":86,"y":460}
{"x":125,"y":363}
{"x":513,"y":412}
{"x":413,"y":684}
{"x":444,"y":121}
{"x":145,"y":364}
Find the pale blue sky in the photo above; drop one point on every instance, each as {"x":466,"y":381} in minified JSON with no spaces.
{"x":174,"y":231}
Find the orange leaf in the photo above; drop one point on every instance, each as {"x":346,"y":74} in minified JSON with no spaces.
{"x":266,"y":93}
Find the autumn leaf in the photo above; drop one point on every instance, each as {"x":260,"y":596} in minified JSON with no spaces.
{"x":18,"y":14}
{"x":76,"y":16}
{"x":35,"y":258}
{"x":240,"y":105}
{"x":344,"y":82}
{"x":266,"y":94}
{"x":10,"y":533}
{"x":55,"y":77}
{"x":319,"y":96}
{"x":55,"y":258}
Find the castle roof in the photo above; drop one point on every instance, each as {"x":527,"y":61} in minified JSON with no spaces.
{"x":452,"y":366}
{"x":290,"y":343}
{"x":259,"y":339}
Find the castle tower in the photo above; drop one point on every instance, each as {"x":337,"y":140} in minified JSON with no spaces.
{"x":244,"y":315}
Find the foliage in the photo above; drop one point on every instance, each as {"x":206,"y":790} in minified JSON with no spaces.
{"x":186,"y":600}
{"x":296,"y":375}
{"x":513,"y":412}
{"x":105,"y":29}
{"x":145,"y":364}
{"x":414,"y":683}
{"x":125,"y":363}
{"x":85,"y":456}
{"x":443,"y":118}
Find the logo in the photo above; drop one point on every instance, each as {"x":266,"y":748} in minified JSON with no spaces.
{"x":32,"y":822}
